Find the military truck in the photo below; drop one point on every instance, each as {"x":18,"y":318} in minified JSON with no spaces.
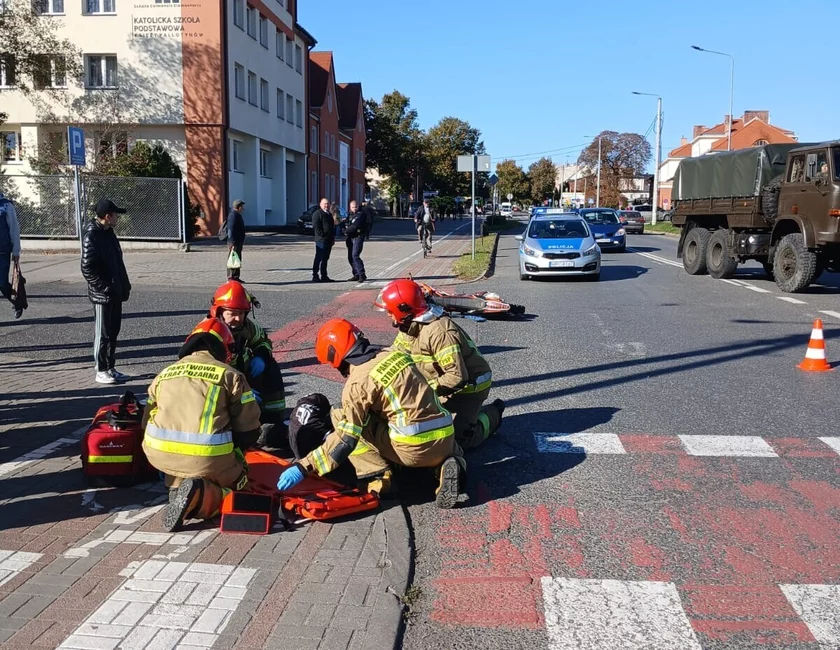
{"x":778,"y":204}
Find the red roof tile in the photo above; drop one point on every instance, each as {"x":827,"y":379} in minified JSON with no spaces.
{"x":320,"y":68}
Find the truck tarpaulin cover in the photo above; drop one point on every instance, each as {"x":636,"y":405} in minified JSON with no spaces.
{"x":732,"y":173}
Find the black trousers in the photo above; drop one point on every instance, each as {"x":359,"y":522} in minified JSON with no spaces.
{"x":108,"y":320}
{"x":354,"y":255}
{"x":322,"y":256}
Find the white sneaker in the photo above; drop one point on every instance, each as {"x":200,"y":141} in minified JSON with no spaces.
{"x":104,"y":377}
{"x":117,"y":375}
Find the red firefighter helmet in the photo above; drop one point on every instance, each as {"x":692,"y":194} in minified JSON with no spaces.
{"x":402,"y":299}
{"x":219,"y":331}
{"x":336,"y":338}
{"x":231,"y":295}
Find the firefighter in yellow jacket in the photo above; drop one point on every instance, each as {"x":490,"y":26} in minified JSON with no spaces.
{"x":199,"y":413}
{"x":253,"y":357}
{"x":449,"y":359}
{"x":388,"y":414}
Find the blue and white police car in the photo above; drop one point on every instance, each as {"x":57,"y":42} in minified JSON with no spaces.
{"x":558,"y":243}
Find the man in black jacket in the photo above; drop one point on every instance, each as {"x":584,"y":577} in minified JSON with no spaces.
{"x":323,"y":227}
{"x":235,"y":226}
{"x":355,"y":229}
{"x":108,"y":287}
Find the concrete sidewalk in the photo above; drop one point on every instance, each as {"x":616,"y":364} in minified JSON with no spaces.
{"x":92,"y":568}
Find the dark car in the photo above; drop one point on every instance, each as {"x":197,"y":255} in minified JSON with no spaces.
{"x":609,"y":232}
{"x":634,"y":222}
{"x":304,"y":222}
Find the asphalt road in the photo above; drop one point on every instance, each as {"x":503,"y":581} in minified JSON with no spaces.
{"x":637,"y":539}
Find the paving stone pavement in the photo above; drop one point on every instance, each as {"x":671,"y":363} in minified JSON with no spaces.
{"x":92,"y":568}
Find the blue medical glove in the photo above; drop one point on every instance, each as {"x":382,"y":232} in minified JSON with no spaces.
{"x":290,"y":478}
{"x":257,"y":396}
{"x":257,"y":366}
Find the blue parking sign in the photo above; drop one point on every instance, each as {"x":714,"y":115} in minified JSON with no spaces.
{"x":76,"y":145}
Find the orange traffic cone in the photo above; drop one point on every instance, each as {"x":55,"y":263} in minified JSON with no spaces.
{"x":815,"y":355}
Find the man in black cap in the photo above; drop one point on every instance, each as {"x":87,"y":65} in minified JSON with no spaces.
{"x":108,"y":287}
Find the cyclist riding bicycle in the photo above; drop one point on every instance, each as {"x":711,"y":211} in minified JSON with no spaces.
{"x":424,"y":220}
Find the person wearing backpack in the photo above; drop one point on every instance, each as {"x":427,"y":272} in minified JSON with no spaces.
{"x":9,"y":247}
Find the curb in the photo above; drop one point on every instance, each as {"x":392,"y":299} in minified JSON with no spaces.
{"x":392,"y":524}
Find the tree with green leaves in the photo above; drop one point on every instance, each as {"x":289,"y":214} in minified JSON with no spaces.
{"x":542,"y":176}
{"x":512,"y":180}
{"x":444,"y":142}
{"x":623,"y":156}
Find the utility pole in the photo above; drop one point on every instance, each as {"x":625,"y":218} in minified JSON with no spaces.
{"x":598,"y":190}
{"x":658,"y":152}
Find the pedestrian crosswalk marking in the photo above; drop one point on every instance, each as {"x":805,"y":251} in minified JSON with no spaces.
{"x":579,"y":443}
{"x":754,"y":446}
{"x":832,"y":442}
{"x":819,"y":607}
{"x":13,"y":562}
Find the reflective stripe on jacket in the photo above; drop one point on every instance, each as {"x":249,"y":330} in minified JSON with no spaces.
{"x":447,"y":356}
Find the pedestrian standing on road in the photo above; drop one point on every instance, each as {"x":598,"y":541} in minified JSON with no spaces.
{"x":108,"y":287}
{"x":323,"y":227}
{"x":9,"y":247}
{"x":354,"y":231}
{"x":235,"y":227}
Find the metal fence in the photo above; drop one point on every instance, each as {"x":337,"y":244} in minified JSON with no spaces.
{"x":46,"y":209}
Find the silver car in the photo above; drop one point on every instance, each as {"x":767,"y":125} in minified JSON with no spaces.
{"x":558,"y":244}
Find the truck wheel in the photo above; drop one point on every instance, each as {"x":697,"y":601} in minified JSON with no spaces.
{"x":794,"y":266}
{"x":770,"y":199}
{"x":718,"y":261}
{"x":694,"y":250}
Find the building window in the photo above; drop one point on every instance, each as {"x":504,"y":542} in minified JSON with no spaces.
{"x":7,"y":71}
{"x":265,"y":158}
{"x":298,"y":59}
{"x":313,"y":139}
{"x":11,"y":146}
{"x":290,"y":44}
{"x":239,"y":80}
{"x":264,"y":31}
{"x":111,"y":145}
{"x":299,"y":113}
{"x":329,"y":101}
{"x":760,"y":143}
{"x":239,"y":13}
{"x":100,"y":6}
{"x":252,"y":88}
{"x":101,"y":70}
{"x":280,"y":104}
{"x":279,"y":43}
{"x":264,"y":95}
{"x":235,"y":155}
{"x":313,"y":187}
{"x":327,"y":188}
{"x":51,"y":73}
{"x":290,"y":109}
{"x":251,"y":15}
{"x":326,"y":143}
{"x":47,"y":7}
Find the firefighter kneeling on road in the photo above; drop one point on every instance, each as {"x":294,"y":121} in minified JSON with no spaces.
{"x":199,"y":413}
{"x":448,"y":358}
{"x":253,"y":357}
{"x":388,"y":413}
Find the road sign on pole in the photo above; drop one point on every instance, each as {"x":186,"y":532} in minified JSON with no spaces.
{"x":510,"y":197}
{"x":76,"y":152}
{"x":474,"y":164}
{"x":492,"y":180}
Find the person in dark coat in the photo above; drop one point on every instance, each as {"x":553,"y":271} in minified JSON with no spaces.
{"x":355,"y":229}
{"x":323,"y":227}
{"x":235,"y":226}
{"x":9,"y":248}
{"x":108,"y":287}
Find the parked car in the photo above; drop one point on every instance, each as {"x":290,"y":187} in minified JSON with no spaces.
{"x":634,"y":222}
{"x":304,"y":222}
{"x":610,"y":233}
{"x":558,"y":245}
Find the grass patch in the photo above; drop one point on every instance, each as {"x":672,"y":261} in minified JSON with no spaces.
{"x":665,"y":227}
{"x":467,"y":268}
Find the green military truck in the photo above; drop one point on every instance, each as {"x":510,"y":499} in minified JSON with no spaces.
{"x":778,"y":204}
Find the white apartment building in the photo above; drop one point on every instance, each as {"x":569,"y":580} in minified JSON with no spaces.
{"x":221,"y":84}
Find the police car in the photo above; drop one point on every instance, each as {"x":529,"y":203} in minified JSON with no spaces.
{"x":558,"y":243}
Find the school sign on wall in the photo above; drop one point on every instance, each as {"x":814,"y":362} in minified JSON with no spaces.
{"x":164,"y":19}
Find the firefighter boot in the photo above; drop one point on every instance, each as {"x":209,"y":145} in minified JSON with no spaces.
{"x":380,"y":484}
{"x":449,"y":480}
{"x":187,"y":497}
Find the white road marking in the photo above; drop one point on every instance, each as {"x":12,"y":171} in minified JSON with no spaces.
{"x":833,"y":314}
{"x":751,"y":446}
{"x":13,"y":562}
{"x":136,"y":513}
{"x":39,"y":454}
{"x":749,"y":286}
{"x":615,"y":614}
{"x":834,"y":443}
{"x":792,"y":301}
{"x":656,"y":258}
{"x":117,"y":536}
{"x":732,"y":282}
{"x":819,"y":607}
{"x":579,"y":443}
{"x":164,"y":604}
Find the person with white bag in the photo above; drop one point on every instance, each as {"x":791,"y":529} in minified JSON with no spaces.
{"x":235,"y":230}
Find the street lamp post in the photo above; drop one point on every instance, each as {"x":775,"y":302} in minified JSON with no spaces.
{"x":731,"y":89}
{"x":658,"y":152}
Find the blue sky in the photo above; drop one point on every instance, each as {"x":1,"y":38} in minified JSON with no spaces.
{"x":538,"y":75}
